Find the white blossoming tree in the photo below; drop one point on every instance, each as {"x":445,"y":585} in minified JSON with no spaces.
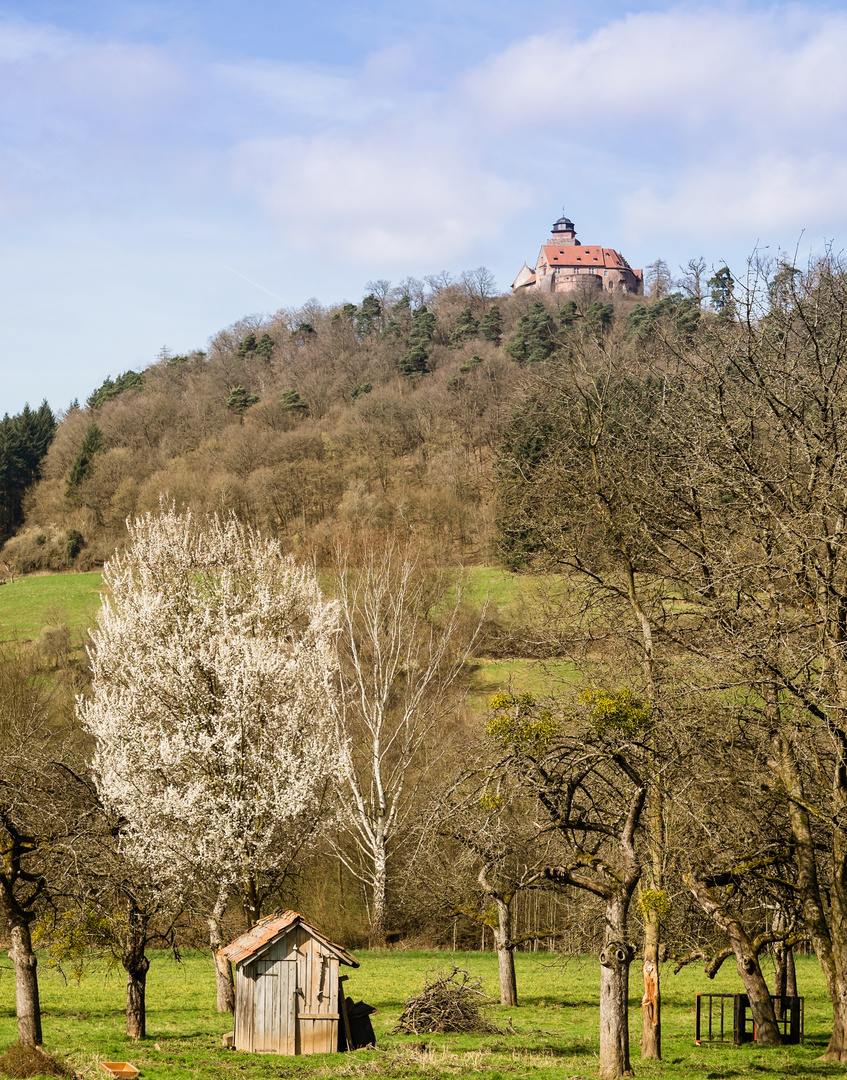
{"x":213,"y":680}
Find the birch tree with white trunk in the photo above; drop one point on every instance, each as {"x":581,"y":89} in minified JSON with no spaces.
{"x":401,"y":649}
{"x":214,"y":677}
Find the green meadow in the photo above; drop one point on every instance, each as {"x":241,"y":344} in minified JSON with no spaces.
{"x":551,"y":1035}
{"x":31,"y":603}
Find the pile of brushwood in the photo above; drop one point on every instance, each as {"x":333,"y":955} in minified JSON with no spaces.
{"x":21,"y":1062}
{"x":448,"y":1003}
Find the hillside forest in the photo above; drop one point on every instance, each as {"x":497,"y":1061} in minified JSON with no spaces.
{"x":663,"y":479}
{"x":315,"y":424}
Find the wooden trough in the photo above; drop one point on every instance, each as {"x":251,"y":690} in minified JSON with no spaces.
{"x":287,"y":997}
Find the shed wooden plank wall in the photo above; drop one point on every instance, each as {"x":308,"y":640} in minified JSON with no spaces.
{"x":287,"y":998}
{"x":317,"y":971}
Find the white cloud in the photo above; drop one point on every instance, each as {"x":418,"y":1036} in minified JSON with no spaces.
{"x":48,"y":69}
{"x":710,"y":70}
{"x":381,"y":198}
{"x":297,"y":92}
{"x":21,"y":42}
{"x":758,"y":196}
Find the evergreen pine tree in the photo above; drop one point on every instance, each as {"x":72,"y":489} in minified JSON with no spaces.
{"x":534,"y":338}
{"x":681,"y":312}
{"x":239,"y":400}
{"x":414,"y":362}
{"x":303,"y":332}
{"x":292,"y":400}
{"x":466,"y":327}
{"x":423,"y":327}
{"x":368,"y":316}
{"x":721,"y":287}
{"x":569,"y":313}
{"x":265,"y":346}
{"x":398,"y":324}
{"x":491,"y":327}
{"x":598,"y":319}
{"x":247,"y":345}
{"x":110,"y":388}
{"x":92,"y":444}
{"x":24,"y":440}
{"x":471,"y":362}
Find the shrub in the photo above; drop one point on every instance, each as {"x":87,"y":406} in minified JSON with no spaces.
{"x":43,"y":548}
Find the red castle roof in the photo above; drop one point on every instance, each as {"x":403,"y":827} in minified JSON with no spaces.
{"x":583,"y":255}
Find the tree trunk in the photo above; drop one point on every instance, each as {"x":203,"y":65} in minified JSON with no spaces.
{"x":136,"y":1008}
{"x":651,"y":1003}
{"x":26,"y":984}
{"x":837,"y":1048}
{"x":761,"y":1003}
{"x":223,"y":968}
{"x":136,"y":965}
{"x":791,"y":973}
{"x":746,"y":961}
{"x":379,"y":888}
{"x":828,"y":946}
{"x":224,"y":982}
{"x":250,"y":902}
{"x":615,"y":958}
{"x":505,"y":953}
{"x":784,"y":978}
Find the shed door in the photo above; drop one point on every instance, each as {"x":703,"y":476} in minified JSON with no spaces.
{"x":317,"y":1018}
{"x":276,"y":986}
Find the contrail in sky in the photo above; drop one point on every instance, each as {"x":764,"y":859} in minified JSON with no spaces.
{"x":250,"y":281}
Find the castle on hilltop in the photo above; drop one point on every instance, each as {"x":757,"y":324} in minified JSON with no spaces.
{"x":565,"y":265}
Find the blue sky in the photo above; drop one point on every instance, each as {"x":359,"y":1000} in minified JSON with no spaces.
{"x":167,"y":168}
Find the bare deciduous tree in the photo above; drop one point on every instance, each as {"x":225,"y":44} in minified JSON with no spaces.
{"x":44,"y":808}
{"x":486,"y":812}
{"x":657,"y":279}
{"x":693,"y":279}
{"x":587,"y":769}
{"x":401,"y":649}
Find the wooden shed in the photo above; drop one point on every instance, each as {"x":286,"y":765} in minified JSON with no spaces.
{"x":286,"y":987}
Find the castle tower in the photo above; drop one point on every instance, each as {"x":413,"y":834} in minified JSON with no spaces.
{"x":564,"y":231}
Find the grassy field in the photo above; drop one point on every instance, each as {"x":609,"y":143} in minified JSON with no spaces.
{"x":48,"y":600}
{"x":32,"y":603}
{"x":556,"y":1025}
{"x":517,"y":674}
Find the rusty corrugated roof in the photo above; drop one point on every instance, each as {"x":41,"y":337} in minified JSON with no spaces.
{"x":265,"y":930}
